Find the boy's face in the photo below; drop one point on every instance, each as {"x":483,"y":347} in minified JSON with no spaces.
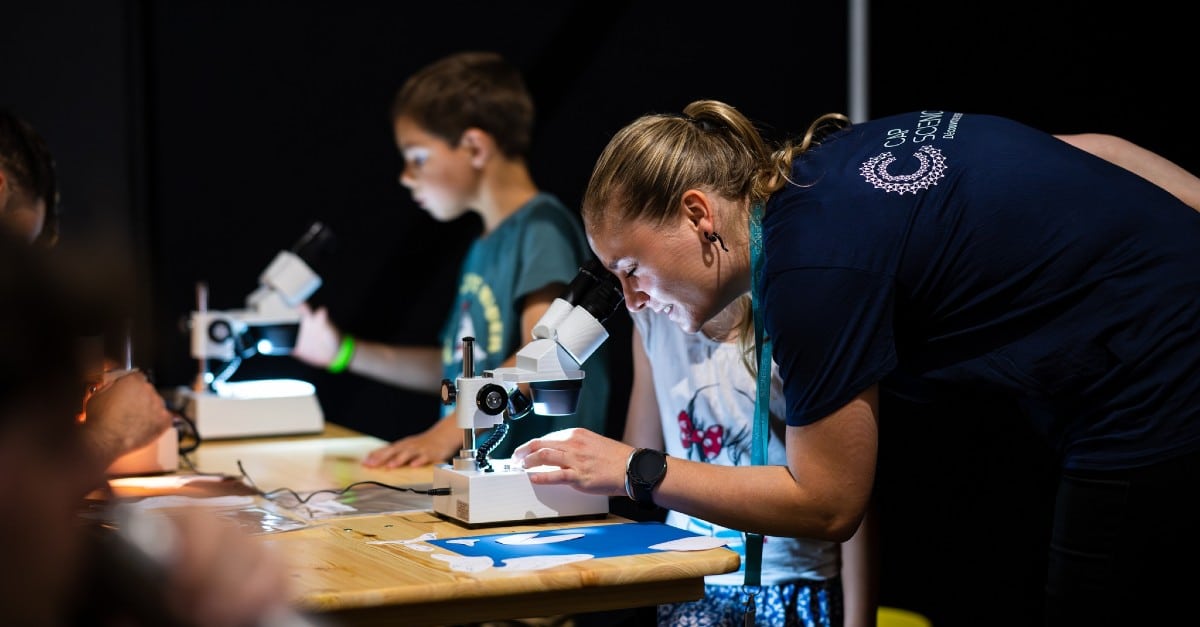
{"x":441,"y":177}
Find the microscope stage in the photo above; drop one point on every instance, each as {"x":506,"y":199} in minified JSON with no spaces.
{"x":250,"y":409}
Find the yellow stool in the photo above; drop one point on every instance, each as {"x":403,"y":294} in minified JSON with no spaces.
{"x":896,"y":617}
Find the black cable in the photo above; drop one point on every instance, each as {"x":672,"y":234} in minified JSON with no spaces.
{"x":485,"y":449}
{"x":187,"y":429}
{"x":335,"y":491}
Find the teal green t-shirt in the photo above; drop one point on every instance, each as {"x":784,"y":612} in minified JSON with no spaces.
{"x":542,"y":243}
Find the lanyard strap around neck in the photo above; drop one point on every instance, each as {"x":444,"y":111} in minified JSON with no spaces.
{"x":762,"y":398}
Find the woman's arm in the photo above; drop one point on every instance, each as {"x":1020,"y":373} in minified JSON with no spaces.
{"x":860,"y":576}
{"x":822,"y":493}
{"x":1149,"y":165}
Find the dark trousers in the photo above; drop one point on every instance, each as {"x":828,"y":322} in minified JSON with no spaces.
{"x":1125,"y":546}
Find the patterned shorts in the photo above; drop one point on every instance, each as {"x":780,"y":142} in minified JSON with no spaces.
{"x":796,"y":604}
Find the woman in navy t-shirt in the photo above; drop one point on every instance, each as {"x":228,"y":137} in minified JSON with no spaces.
{"x":926,"y":252}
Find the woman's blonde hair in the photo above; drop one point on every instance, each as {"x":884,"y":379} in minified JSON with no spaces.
{"x":648,"y":165}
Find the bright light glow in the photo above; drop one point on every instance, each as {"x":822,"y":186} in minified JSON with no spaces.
{"x":265,"y":388}
{"x":265,"y":347}
{"x":161,"y":482}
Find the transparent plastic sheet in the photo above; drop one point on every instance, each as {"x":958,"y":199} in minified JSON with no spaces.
{"x":247,"y":513}
{"x":367,"y":499}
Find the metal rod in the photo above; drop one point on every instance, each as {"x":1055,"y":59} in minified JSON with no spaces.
{"x":858,"y":55}
{"x":200,"y":385}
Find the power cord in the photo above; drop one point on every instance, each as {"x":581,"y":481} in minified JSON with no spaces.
{"x":334,"y":491}
{"x":189,"y":436}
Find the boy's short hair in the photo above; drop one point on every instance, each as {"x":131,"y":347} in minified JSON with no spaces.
{"x":470,"y":90}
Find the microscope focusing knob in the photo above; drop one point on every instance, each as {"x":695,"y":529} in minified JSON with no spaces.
{"x":449,"y":394}
{"x":219,"y":331}
{"x":491,"y":399}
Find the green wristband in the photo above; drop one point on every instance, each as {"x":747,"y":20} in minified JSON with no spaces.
{"x":345,"y":353}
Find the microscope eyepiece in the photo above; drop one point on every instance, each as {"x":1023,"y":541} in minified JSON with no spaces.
{"x":595,"y":289}
{"x":590,"y":274}
{"x":604,"y":298}
{"x":316,"y":243}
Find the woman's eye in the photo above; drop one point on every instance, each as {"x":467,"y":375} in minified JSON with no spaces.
{"x":630,"y":272}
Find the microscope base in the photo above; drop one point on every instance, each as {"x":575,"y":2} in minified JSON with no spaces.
{"x":247,"y":409}
{"x":507,"y":496}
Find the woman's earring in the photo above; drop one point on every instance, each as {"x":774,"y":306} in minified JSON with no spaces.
{"x":715,"y":237}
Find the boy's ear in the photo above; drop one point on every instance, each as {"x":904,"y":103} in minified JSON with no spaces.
{"x":479,"y":144}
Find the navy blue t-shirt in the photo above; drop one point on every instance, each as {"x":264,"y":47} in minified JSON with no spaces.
{"x":934,"y":249}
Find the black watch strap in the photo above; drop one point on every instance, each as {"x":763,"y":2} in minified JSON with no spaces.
{"x":644,"y":470}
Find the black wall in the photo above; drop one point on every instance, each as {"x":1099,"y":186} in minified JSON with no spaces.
{"x":195,"y":139}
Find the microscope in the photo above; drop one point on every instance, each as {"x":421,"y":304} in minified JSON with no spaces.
{"x":483,"y":491}
{"x":221,"y":408}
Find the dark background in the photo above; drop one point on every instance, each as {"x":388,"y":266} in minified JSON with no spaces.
{"x":195,"y":139}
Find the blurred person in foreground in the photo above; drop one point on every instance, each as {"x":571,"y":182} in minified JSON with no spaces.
{"x":125,"y":412}
{"x":59,"y":568}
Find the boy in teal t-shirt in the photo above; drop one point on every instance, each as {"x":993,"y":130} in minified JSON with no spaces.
{"x":464,"y":126}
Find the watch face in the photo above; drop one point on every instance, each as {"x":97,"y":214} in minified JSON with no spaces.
{"x":649,"y":466}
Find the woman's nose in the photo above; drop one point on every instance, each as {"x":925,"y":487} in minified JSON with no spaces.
{"x":634,"y":299}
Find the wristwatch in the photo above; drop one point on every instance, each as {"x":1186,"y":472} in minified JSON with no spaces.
{"x":644,"y":470}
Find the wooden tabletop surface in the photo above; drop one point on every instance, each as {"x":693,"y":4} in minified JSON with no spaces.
{"x":371,"y":568}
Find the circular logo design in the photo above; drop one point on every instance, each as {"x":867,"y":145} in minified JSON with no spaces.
{"x":931,"y":170}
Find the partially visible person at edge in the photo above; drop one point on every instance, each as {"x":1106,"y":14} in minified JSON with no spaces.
{"x":693,"y":397}
{"x":61,"y":567}
{"x":922,"y":252}
{"x":464,"y":125}
{"x":125,"y":412}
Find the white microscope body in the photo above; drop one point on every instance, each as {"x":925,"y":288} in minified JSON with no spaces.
{"x":484,"y":491}
{"x":268,"y":325}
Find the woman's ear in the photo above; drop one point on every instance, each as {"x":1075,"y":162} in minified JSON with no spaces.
{"x":479,"y":144}
{"x":698,"y":210}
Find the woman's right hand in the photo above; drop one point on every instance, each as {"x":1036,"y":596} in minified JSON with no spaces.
{"x":583,"y":459}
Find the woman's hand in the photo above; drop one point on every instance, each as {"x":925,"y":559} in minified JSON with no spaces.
{"x":585,"y":460}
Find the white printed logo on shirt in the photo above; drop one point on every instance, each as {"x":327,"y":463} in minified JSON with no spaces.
{"x":932,"y":170}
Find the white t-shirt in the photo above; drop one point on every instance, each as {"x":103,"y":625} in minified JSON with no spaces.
{"x":706,"y":400}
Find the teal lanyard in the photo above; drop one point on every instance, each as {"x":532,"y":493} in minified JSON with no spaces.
{"x":762,"y":399}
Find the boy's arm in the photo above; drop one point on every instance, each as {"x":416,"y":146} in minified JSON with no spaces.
{"x":441,"y":441}
{"x":417,"y":368}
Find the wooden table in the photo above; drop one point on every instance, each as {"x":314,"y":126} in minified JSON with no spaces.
{"x":338,"y":573}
